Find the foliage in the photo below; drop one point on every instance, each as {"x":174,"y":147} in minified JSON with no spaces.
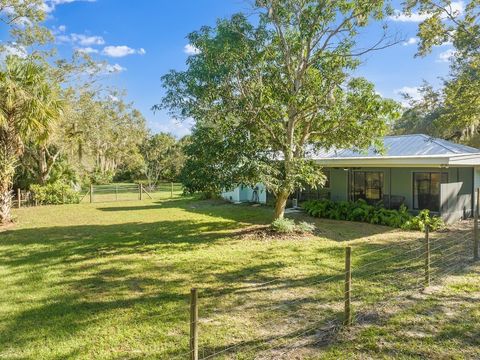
{"x":363,"y":212}
{"x":29,"y":105}
{"x":213,"y":164}
{"x":283,"y":226}
{"x":99,"y":177}
{"x":163,"y":156}
{"x":423,"y":219}
{"x":288,"y":226}
{"x":272,"y":90}
{"x":55,"y":193}
{"x":453,"y":111}
{"x":23,"y":19}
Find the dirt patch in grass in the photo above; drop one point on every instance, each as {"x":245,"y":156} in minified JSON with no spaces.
{"x":6,"y":227}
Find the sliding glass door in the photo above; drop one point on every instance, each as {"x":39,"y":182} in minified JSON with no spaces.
{"x":426,"y":190}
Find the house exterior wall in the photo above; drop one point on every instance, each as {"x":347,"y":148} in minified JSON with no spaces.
{"x":456,"y":199}
{"x":245,"y":194}
{"x":232,"y":195}
{"x":456,"y":195}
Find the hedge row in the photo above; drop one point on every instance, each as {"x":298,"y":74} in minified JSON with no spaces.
{"x":54,"y":194}
{"x":363,"y":212}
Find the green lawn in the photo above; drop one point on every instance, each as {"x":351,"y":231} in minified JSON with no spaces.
{"x":111,"y":281}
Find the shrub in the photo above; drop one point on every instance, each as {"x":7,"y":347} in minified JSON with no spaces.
{"x":374,"y":214}
{"x":101,"y":178}
{"x":305,"y":227}
{"x":288,"y":226}
{"x":55,"y":193}
{"x":423,"y":219}
{"x":283,"y":226}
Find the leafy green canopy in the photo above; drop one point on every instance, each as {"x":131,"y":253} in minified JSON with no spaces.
{"x":267,"y":91}
{"x":453,"y":111}
{"x":29,"y":105}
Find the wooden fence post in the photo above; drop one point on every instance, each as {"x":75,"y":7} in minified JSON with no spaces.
{"x":19,"y":197}
{"x":427,"y":256}
{"x":91,"y":193}
{"x":171,"y":190}
{"x":193,"y":324}
{"x":475,"y":225}
{"x":348,"y":286}
{"x":140,"y":189}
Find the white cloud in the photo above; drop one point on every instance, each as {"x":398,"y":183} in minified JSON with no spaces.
{"x":87,"y":50}
{"x":413,"y":92}
{"x":49,"y":5}
{"x":106,"y":69}
{"x":62,"y":28}
{"x":189,"y":49}
{"x":81,"y":39}
{"x":113,"y":98}
{"x":410,"y":41}
{"x":114,"y":68}
{"x":173,"y":126}
{"x":446,"y":56}
{"x":402,"y":17}
{"x":121,"y":51}
{"x":12,"y":49}
{"x":456,"y":8}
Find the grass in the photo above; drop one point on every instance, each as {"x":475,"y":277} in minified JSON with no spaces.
{"x":111,"y":281}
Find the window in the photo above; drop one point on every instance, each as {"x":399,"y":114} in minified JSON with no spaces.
{"x":367,"y":185}
{"x":426,"y":190}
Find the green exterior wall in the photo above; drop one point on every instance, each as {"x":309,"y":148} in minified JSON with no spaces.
{"x":400,"y":181}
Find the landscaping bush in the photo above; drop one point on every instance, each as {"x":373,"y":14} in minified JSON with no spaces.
{"x":363,"y":212}
{"x":423,"y":219}
{"x":283,"y":226}
{"x":55,"y":193}
{"x":288,"y":226}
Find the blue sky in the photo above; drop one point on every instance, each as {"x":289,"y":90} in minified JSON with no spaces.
{"x":143,"y":39}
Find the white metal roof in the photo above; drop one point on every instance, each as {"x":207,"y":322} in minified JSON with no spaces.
{"x":403,"y":150}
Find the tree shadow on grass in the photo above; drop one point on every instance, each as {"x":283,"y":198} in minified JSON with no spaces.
{"x":255,"y":214}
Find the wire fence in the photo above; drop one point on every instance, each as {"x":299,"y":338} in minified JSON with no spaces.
{"x":284,"y":317}
{"x":108,"y":193}
{"x":126,"y":192}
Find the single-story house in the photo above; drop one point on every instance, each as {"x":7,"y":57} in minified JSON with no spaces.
{"x":416,"y":170}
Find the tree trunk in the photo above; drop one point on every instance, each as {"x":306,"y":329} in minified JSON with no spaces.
{"x":9,"y":148}
{"x":5,"y":205}
{"x":280,"y":205}
{"x":42,"y":166}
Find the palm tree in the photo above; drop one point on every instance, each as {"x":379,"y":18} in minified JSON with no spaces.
{"x":29,"y":105}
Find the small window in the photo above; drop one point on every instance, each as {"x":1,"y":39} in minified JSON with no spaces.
{"x":426,"y":190}
{"x":367,"y":185}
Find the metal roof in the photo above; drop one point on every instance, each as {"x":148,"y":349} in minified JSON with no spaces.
{"x":416,"y":145}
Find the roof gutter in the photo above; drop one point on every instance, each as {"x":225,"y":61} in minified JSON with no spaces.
{"x":441,"y":161}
